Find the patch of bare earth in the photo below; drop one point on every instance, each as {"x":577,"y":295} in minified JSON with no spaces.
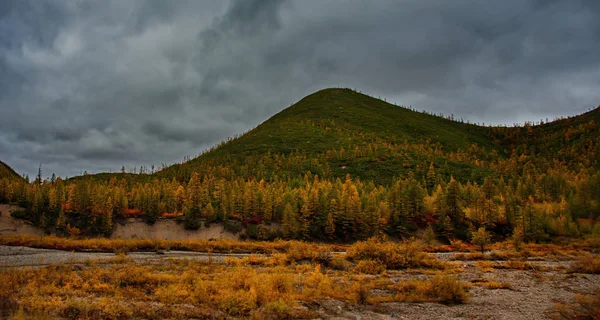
{"x":12,"y":226}
{"x":168,"y":229}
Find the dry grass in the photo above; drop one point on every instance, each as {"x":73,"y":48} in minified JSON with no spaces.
{"x":259,"y":286}
{"x":296,"y":249}
{"x":441,"y":288}
{"x":584,"y":306}
{"x":492,"y":285}
{"x":393,"y":256}
{"x":484,"y":266}
{"x":586,"y":264}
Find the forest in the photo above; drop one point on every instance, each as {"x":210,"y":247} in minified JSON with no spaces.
{"x":372,"y":169}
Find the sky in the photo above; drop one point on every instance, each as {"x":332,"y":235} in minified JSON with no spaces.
{"x":96,"y":85}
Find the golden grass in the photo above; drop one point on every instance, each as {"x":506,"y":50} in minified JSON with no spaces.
{"x":484,"y":266}
{"x":122,"y":289}
{"x":297,"y":249}
{"x":393,"y":256}
{"x":492,"y":285}
{"x":271,"y":286}
{"x":584,"y":306}
{"x":586,"y":264}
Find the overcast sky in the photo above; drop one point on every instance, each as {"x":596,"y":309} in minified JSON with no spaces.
{"x":94,"y":85}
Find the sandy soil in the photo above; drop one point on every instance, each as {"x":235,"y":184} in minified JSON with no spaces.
{"x":169,"y":229}
{"x":12,"y":226}
{"x":134,"y":228}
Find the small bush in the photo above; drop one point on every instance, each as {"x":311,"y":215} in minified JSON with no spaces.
{"x":484,"y":266}
{"x":360,"y":292}
{"x":369,"y":267}
{"x":585,"y":306}
{"x":339,"y":263}
{"x":279,"y":308}
{"x":497,"y":285}
{"x":515,"y":265}
{"x":393,"y":256}
{"x":19,"y":214}
{"x":459,"y":246}
{"x":447,"y":290}
{"x":238,"y":303}
{"x":586,"y":264}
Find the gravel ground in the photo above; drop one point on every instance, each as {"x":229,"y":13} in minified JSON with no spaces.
{"x":25,"y":256}
{"x":531,"y":295}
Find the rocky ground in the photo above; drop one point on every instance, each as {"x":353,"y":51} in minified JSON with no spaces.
{"x":527,"y":294}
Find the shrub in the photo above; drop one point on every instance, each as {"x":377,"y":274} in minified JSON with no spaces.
{"x":238,"y":303}
{"x":393,"y":256}
{"x":585,"y":306}
{"x":369,"y":267}
{"x":586,"y":264}
{"x":280,"y":308}
{"x":232,"y":226}
{"x":447,"y":290}
{"x":339,"y":263}
{"x":484,"y":266}
{"x":458,"y":245}
{"x":497,"y":285}
{"x":514,"y":264}
{"x":8,"y":304}
{"x":19,"y":214}
{"x":360,"y":292}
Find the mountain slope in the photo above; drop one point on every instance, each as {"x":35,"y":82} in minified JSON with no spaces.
{"x":381,"y":140}
{"x":7,"y":172}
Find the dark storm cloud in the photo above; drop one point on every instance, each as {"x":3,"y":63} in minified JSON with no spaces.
{"x":93,"y":85}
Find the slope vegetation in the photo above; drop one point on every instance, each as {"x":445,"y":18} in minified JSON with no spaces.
{"x":334,"y":132}
{"x":7,"y":172}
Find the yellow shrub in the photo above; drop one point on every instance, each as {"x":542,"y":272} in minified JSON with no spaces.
{"x":587,"y":264}
{"x":497,"y":285}
{"x":447,"y":290}
{"x":393,"y":256}
{"x":484,"y":266}
{"x":237,"y":303}
{"x":369,"y":267}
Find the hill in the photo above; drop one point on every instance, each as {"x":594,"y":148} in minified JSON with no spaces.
{"x":339,"y":165}
{"x":335,"y":132}
{"x":7,"y":172}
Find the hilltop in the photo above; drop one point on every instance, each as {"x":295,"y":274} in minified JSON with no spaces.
{"x":334,"y":132}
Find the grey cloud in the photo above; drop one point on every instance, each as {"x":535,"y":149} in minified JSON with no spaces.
{"x":95,"y":85}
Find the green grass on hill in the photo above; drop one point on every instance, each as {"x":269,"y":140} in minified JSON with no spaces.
{"x":7,"y":172}
{"x":392,"y":141}
{"x":331,"y":119}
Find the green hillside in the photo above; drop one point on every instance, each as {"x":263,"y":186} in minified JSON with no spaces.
{"x":341,"y":166}
{"x":7,"y":172}
{"x":381,"y":141}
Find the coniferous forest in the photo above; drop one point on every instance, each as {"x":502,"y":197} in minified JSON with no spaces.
{"x":341,"y":166}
